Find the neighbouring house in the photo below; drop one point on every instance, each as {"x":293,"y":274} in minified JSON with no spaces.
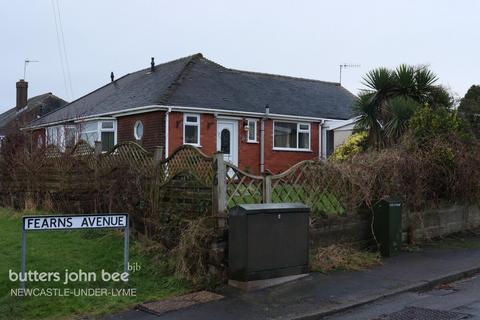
{"x":261,"y":122}
{"x":27,"y":109}
{"x":338,"y":132}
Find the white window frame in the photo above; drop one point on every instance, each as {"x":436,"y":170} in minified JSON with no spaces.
{"x":113,"y":129}
{"x":98,"y":131}
{"x":135,"y":126}
{"x":309,"y":131}
{"x":197,"y":123}
{"x":255,"y":139}
{"x":60,"y":138}
{"x":49,"y":136}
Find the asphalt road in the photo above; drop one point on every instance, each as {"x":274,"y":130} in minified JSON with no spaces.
{"x":458,"y":300}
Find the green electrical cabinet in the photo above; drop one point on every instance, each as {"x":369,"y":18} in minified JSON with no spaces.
{"x":267,"y":241}
{"x":387,"y":226}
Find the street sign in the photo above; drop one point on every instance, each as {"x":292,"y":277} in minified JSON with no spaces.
{"x":73,"y":222}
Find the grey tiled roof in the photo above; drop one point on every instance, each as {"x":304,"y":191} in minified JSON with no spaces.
{"x":37,"y":106}
{"x":195,"y":81}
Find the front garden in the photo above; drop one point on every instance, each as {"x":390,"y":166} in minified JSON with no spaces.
{"x":56,"y":251}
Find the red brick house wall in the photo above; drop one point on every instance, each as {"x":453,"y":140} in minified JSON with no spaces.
{"x":248,"y":153}
{"x":153,"y":129}
{"x":277,"y":161}
{"x":208,"y":132}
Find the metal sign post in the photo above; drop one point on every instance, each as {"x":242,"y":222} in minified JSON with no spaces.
{"x":73,"y":222}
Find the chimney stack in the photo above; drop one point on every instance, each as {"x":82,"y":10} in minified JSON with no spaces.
{"x":152,"y":65}
{"x":22,"y":94}
{"x":112,"y":76}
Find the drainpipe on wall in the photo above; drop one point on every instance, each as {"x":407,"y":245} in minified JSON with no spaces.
{"x":324,"y":141}
{"x":166,"y":131}
{"x":320,"y":143}
{"x":262,"y":139}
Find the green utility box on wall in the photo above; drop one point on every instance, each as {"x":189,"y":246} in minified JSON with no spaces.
{"x":387,"y":226}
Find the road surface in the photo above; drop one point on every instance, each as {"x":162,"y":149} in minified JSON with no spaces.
{"x":458,"y":300}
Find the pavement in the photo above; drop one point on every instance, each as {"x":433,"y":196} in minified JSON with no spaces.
{"x":321,"y":295}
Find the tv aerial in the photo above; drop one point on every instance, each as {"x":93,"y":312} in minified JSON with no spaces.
{"x":346,"y":65}
{"x":27,"y":61}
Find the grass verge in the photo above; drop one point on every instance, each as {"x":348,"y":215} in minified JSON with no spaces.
{"x":90,"y":251}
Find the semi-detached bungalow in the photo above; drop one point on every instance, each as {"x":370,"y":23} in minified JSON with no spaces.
{"x":261,"y":122}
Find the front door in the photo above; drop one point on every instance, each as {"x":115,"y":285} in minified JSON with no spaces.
{"x":227,"y":140}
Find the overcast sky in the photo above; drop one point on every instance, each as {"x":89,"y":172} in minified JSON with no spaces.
{"x":298,"y":38}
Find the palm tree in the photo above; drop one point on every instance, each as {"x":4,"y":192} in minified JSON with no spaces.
{"x":390,"y":99}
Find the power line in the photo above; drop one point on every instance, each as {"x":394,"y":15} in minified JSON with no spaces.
{"x":60,"y":51}
{"x":65,"y":52}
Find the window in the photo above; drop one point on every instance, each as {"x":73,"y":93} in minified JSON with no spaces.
{"x":225,"y":141}
{"x":70,"y":135}
{"x":107,"y":135}
{"x":54,"y":135}
{"x":191,"y":129}
{"x":104,"y":131}
{"x":138,"y":130}
{"x":89,"y":132}
{"x":290,"y":135}
{"x":61,"y":136}
{"x":252,"y":131}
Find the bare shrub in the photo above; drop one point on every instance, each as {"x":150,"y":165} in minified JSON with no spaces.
{"x":342,"y":257}
{"x":191,"y":254}
{"x":421,"y":176}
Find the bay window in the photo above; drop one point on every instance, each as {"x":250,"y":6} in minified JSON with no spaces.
{"x":54,"y":135}
{"x":291,"y":135}
{"x":61,"y":136}
{"x":104,"y":131}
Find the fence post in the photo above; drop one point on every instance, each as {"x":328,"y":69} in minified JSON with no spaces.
{"x":97,"y":153}
{"x":157,"y":155}
{"x":98,"y":148}
{"x":219,"y":188}
{"x":267,"y":188}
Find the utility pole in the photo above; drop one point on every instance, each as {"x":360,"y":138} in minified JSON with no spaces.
{"x":27,"y":61}
{"x":346,"y":65}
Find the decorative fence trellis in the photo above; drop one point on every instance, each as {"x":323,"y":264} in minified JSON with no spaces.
{"x":309,"y":182}
{"x":186,"y":183}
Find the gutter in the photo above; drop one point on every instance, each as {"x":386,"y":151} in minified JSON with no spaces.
{"x":151,"y":108}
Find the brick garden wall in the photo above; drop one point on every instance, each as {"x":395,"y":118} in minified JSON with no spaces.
{"x":417,"y":226}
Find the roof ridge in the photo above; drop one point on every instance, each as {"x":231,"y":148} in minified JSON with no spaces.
{"x":85,"y":95}
{"x":270,"y":74}
{"x":176,"y":82}
{"x":111,"y":83}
